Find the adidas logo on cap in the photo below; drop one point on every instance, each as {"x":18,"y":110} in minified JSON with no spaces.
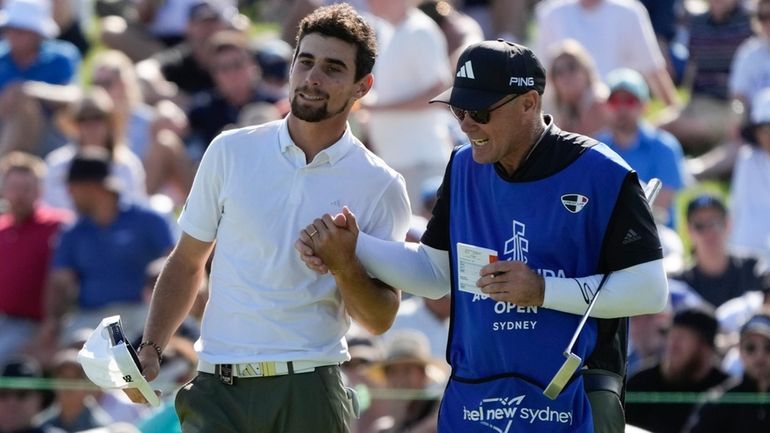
{"x":466,"y":71}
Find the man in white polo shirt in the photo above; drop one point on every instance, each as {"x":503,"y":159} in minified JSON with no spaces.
{"x":272,"y":335}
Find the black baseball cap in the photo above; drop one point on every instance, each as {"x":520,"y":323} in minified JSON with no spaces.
{"x":701,"y":320}
{"x":93,"y":164}
{"x":705,"y":201}
{"x":488,"y":71}
{"x":22,"y":366}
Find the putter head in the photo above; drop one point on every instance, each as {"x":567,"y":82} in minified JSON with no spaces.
{"x":560,"y":379}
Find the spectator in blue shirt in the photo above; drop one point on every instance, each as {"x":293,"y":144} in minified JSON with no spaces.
{"x":100,"y":262}
{"x":650,"y":151}
{"x":29,"y":55}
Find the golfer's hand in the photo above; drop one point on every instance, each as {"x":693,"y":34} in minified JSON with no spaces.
{"x":304,"y":246}
{"x":304,"y":243}
{"x":148,"y":358}
{"x":512,"y":281}
{"x":333,"y":240}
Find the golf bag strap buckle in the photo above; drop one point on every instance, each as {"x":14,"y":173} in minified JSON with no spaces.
{"x":602,"y":380}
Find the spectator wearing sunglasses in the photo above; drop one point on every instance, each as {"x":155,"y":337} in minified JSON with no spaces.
{"x":578,"y":100}
{"x":716,"y":273}
{"x":724,"y":415}
{"x":550,"y":211}
{"x":237,"y":85}
{"x":652,"y":152}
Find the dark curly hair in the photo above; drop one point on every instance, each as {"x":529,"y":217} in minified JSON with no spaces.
{"x":341,"y":21}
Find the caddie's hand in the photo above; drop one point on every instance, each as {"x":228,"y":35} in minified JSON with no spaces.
{"x":148,"y":358}
{"x":512,"y":281}
{"x":347,"y":219}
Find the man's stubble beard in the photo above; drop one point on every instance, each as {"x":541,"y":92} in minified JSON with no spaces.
{"x":313,"y":114}
{"x":687,"y":372}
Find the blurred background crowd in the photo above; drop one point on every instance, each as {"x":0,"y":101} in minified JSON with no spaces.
{"x":106,"y":107}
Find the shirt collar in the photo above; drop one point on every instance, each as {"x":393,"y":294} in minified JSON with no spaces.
{"x":332,"y":154}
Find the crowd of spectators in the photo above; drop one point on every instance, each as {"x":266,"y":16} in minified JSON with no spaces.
{"x":106,"y":108}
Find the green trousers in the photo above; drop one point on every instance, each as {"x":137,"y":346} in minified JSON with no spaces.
{"x":295,"y":403}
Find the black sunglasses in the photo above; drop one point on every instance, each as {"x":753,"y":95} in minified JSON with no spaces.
{"x":750,"y":348}
{"x":701,"y":226}
{"x":478,"y":116}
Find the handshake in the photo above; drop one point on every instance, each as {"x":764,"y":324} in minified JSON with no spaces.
{"x":328,"y":244}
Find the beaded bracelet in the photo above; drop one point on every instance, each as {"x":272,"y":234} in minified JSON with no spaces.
{"x":152,"y":344}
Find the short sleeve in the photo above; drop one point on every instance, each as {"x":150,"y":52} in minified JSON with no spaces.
{"x":670,"y":162}
{"x":740,"y":71}
{"x":643,"y":50}
{"x":64,"y":252}
{"x":631,"y":214}
{"x":203,"y":208}
{"x":392,"y":215}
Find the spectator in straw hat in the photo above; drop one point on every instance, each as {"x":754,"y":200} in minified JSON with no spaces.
{"x":409,"y":367}
{"x":720,"y":414}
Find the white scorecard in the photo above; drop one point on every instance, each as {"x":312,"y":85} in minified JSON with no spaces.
{"x":111,"y":362}
{"x":470,"y":260}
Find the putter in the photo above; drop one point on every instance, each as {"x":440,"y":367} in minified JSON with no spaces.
{"x":572,"y":363}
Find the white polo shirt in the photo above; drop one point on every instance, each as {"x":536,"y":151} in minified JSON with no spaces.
{"x":411,"y":137}
{"x":617,"y":33}
{"x":253,"y":193}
